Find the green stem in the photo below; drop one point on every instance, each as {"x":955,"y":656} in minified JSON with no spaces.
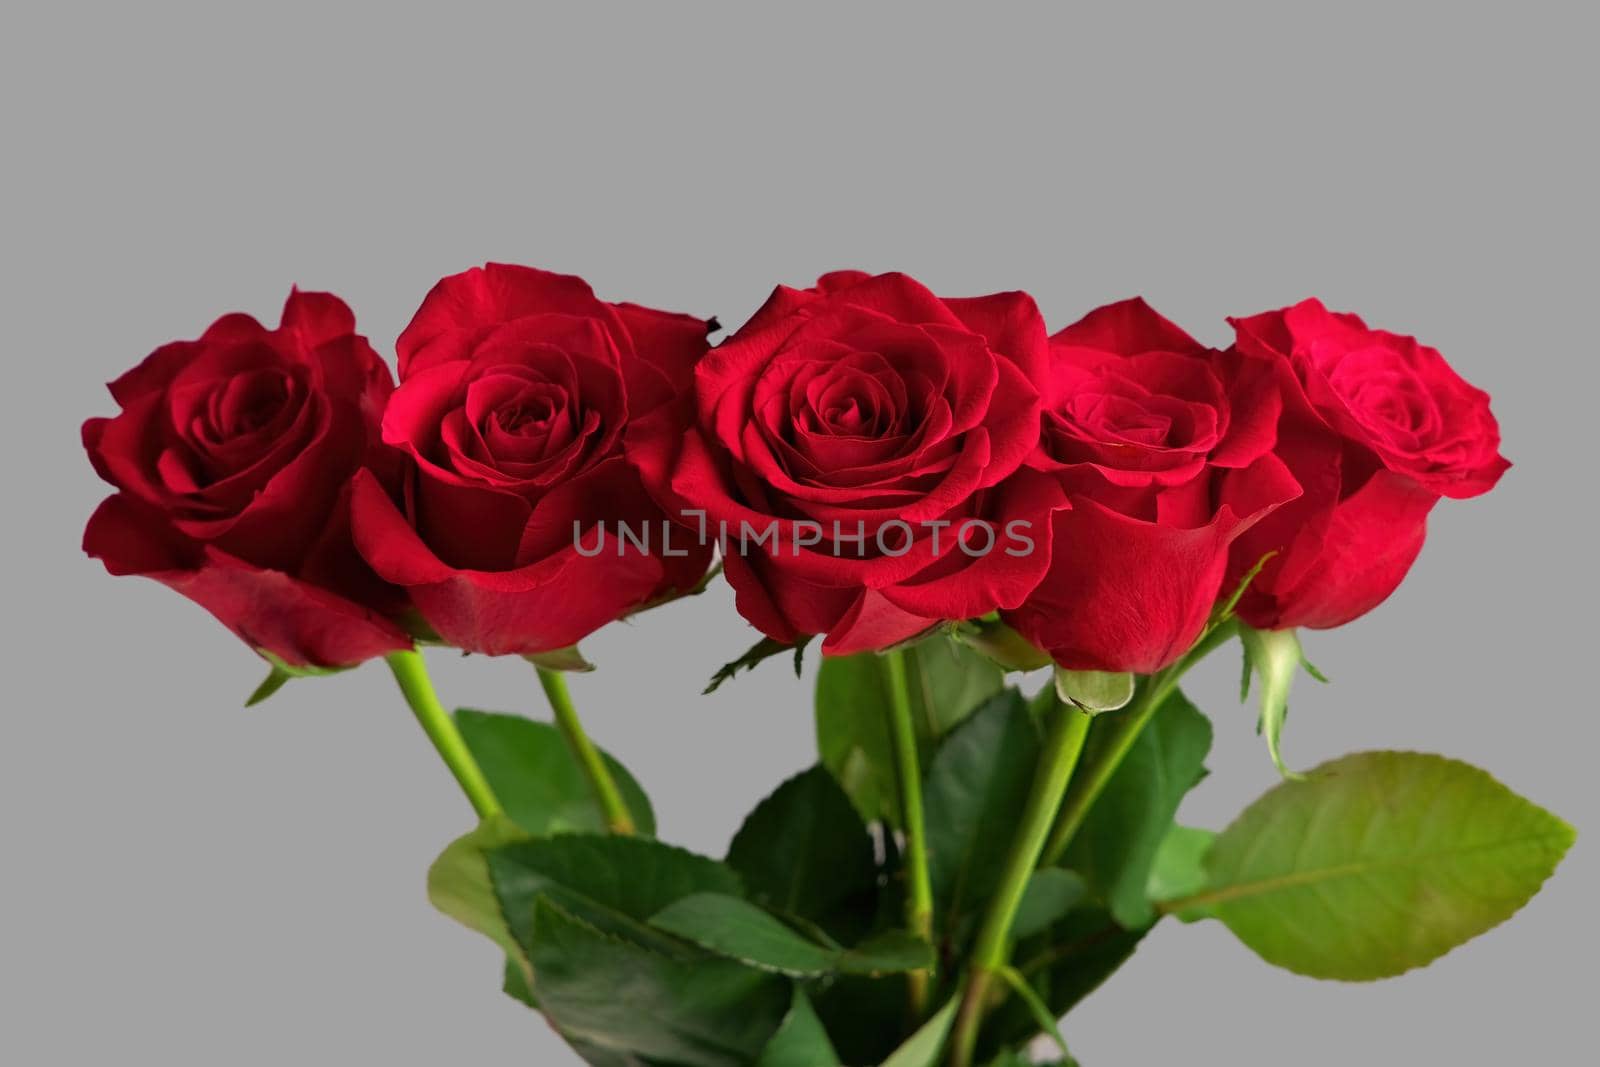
{"x":1125,"y":727}
{"x":908,"y":775}
{"x":1068,"y":727}
{"x":412,"y":674}
{"x":590,"y":762}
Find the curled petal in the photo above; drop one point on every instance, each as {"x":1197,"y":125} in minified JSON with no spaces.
{"x":300,"y":623}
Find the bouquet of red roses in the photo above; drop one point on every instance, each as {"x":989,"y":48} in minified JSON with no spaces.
{"x":943,"y":492}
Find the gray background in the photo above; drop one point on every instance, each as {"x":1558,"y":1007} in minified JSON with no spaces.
{"x":185,"y":882}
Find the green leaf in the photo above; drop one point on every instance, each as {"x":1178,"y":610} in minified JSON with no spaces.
{"x":923,"y":1048}
{"x":801,"y":1040}
{"x":1095,"y":690}
{"x":890,"y":952}
{"x":1116,"y":846}
{"x":975,"y":792}
{"x":1179,"y":867}
{"x":804,"y":850}
{"x":535,"y":777}
{"x":739,"y":930}
{"x":1051,"y":893}
{"x":853,"y":735}
{"x":1378,"y":862}
{"x":516,"y":983}
{"x":864,"y":1017}
{"x":608,"y":994}
{"x":948,"y":682}
{"x":595,"y":1056}
{"x":1277,"y":657}
{"x":459,"y":883}
{"x":613,"y":883}
{"x":763,"y":649}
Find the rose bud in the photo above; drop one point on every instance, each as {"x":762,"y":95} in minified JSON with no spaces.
{"x":1164,"y":449}
{"x":233,"y":456}
{"x":515,"y":522}
{"x":1376,"y":427}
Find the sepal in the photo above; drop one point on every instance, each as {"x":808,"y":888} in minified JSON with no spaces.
{"x":1095,"y":691}
{"x":561,"y":659}
{"x":280,"y":675}
{"x":1009,"y":650}
{"x":1276,"y":656}
{"x":762,"y":650}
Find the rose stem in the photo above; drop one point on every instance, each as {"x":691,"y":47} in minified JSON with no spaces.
{"x":1125,"y":729}
{"x":1068,"y":727}
{"x":412,"y":674}
{"x":908,"y":774}
{"x":590,"y":762}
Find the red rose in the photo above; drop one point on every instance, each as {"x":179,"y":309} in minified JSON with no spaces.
{"x":1376,"y":427}
{"x":233,"y":456}
{"x":864,"y":428}
{"x":516,"y":387}
{"x":1164,"y":448}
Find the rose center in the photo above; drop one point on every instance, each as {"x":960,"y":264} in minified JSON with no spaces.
{"x":247,"y":403}
{"x":1385,"y":395}
{"x":526,"y":416}
{"x":849,"y":416}
{"x":1120,"y":419}
{"x":851,"y":405}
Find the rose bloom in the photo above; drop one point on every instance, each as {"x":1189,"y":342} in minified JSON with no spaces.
{"x":516,"y":388}
{"x":1164,"y":449}
{"x":232,"y":457}
{"x":1376,"y":427}
{"x":864,"y":434}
